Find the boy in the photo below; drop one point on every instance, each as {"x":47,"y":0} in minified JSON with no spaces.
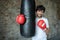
{"x":41,"y":34}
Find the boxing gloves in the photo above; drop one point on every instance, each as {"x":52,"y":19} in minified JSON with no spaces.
{"x":41,"y":24}
{"x":20,"y":19}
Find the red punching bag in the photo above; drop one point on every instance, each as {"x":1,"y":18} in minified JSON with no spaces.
{"x":41,"y":24}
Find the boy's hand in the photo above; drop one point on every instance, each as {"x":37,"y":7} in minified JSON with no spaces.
{"x":47,"y":31}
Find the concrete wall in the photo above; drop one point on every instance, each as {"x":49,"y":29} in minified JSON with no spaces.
{"x":9,"y":9}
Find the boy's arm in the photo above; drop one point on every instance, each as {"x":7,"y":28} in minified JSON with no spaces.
{"x":47,"y":27}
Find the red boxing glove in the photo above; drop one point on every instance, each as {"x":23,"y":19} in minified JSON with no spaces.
{"x":20,"y":19}
{"x":41,"y":24}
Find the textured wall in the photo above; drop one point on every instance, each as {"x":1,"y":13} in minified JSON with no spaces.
{"x":9,"y":29}
{"x":9,"y":9}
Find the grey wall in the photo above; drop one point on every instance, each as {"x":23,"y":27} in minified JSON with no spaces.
{"x":9,"y":9}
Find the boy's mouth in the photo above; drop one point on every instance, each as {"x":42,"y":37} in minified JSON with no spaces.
{"x":39,"y":16}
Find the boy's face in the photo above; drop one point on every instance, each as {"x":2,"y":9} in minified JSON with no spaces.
{"x":39,"y":13}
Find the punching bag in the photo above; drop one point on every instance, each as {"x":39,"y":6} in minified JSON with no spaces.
{"x":28,"y":10}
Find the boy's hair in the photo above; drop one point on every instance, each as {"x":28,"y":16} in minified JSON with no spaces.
{"x":40,"y":7}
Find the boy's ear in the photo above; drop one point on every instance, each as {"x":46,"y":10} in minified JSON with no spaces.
{"x":42,"y":11}
{"x":35,"y":14}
